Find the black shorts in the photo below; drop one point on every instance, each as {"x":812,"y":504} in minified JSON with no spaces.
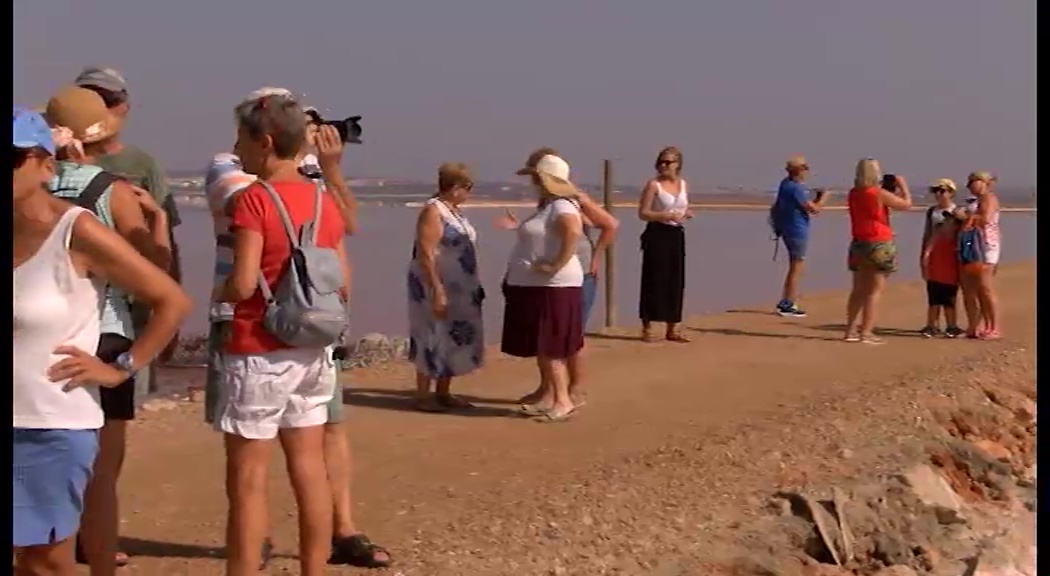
{"x":118,"y":403}
{"x":940,"y":294}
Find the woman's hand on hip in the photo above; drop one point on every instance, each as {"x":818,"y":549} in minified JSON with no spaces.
{"x":543,"y":268}
{"x":83,"y":369}
{"x":439,"y":304}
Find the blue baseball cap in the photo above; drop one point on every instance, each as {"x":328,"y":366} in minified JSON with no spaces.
{"x":30,"y":130}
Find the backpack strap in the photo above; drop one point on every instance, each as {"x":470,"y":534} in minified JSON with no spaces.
{"x":289,"y":229}
{"x":88,"y":199}
{"x":315,"y":226}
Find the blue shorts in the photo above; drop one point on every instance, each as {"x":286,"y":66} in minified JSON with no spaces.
{"x":51,"y":471}
{"x":796,"y":246}
{"x":590,"y":292}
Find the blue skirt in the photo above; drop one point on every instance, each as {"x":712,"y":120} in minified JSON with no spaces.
{"x":51,"y":471}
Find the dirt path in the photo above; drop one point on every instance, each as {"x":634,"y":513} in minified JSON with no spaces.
{"x":677,"y":445}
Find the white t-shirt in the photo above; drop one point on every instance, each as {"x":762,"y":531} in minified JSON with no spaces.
{"x":538,"y":241}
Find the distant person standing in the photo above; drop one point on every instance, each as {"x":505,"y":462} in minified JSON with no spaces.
{"x":445,"y":294}
{"x":872,"y":251}
{"x":790,"y":216}
{"x":664,"y":206}
{"x":142,"y":170}
{"x":979,"y":250}
{"x":939,"y":261}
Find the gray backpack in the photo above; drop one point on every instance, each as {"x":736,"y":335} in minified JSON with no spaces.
{"x":305,"y":309}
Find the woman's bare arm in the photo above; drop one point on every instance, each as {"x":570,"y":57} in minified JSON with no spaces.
{"x":645,"y":205}
{"x":428,"y":234}
{"x":152,"y":242}
{"x":985,"y":206}
{"x":894,"y":201}
{"x":348,"y":270}
{"x":247,"y":265}
{"x":569,"y":228}
{"x":111,"y":258}
{"x":600,"y":218}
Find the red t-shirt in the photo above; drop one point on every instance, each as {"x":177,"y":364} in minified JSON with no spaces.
{"x":254,"y":210}
{"x":869,"y":219}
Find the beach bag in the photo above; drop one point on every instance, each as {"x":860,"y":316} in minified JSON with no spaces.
{"x":305,"y":309}
{"x":971,"y":246}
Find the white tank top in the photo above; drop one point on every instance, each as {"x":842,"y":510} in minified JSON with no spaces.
{"x":667,"y":202}
{"x":54,"y":306}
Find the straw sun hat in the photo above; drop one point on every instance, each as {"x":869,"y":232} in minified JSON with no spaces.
{"x":552,"y":175}
{"x":84,"y":112}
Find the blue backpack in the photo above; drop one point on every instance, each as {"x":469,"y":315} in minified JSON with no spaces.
{"x":971,"y":246}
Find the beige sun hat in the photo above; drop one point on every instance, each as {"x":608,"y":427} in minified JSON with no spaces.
{"x":980,"y":175}
{"x":796,"y":162}
{"x":84,"y":112}
{"x":552,"y":172}
{"x":944,"y":183}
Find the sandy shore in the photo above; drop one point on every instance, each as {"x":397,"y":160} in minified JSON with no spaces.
{"x":731,"y":206}
{"x":677,"y":450}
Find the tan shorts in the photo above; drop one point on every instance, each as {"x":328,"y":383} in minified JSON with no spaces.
{"x":259,"y":394}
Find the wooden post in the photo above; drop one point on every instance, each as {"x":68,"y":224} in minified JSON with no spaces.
{"x":610,"y":251}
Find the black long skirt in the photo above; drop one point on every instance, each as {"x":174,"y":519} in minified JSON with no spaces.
{"x":663,"y":273}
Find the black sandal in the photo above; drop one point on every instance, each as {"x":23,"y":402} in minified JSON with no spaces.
{"x":359,"y":551}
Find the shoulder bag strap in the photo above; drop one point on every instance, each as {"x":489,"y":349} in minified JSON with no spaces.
{"x":289,"y":230}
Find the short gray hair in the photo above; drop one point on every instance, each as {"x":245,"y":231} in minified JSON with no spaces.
{"x":278,"y":116}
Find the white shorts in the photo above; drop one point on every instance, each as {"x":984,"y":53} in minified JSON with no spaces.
{"x":263,"y":393}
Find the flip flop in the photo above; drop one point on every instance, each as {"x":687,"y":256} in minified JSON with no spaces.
{"x":871,"y":339}
{"x":648,"y":337}
{"x":533,"y":410}
{"x":852,"y":338}
{"x":551,"y":417}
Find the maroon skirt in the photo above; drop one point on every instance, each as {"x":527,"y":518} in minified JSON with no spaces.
{"x":542,"y":321}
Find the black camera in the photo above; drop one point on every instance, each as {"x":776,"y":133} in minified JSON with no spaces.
{"x":889,"y":182}
{"x":349,"y":128}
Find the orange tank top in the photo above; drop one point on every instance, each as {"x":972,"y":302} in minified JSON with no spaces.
{"x":869,"y":219}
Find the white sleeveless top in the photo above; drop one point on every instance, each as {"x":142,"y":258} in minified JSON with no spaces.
{"x":666,"y":202}
{"x":54,"y":306}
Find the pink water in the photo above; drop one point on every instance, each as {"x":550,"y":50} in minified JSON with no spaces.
{"x":729,"y":262}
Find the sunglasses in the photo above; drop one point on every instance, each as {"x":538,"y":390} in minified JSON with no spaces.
{"x":939,"y":190}
{"x":666,"y":162}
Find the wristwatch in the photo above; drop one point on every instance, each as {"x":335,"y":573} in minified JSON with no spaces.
{"x":126,"y":363}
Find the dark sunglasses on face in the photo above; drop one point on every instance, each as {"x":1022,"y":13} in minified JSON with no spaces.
{"x":939,"y":190}
{"x":666,"y":162}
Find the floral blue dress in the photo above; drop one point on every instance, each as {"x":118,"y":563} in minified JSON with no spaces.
{"x":454,"y":346}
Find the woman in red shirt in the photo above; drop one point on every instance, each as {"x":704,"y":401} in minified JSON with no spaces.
{"x":270,"y":389}
{"x":872,"y":253}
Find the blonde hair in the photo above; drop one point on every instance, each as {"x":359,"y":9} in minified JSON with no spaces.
{"x":868,"y":174}
{"x":452,"y":174}
{"x":670,"y":150}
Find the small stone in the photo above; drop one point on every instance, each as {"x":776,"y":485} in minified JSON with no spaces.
{"x":846,"y":454}
{"x":994,"y":450}
{"x":897,"y":570}
{"x":160,"y":404}
{"x":195,"y":395}
{"x":931,"y":488}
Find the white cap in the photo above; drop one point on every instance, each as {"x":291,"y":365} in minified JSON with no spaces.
{"x":554,"y":166}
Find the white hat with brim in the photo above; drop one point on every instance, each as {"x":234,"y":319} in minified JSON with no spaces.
{"x":552,"y":173}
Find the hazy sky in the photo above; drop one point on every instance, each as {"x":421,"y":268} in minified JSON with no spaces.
{"x":930,"y":87}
